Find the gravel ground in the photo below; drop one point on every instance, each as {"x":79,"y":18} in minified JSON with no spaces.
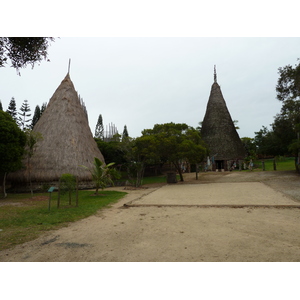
{"x":222,"y":217}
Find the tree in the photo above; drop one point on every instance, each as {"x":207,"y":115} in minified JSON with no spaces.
{"x":25,"y":109}
{"x":288,"y":91}
{"x":99,"y":130}
{"x":23,"y":51}
{"x":12,"y":143}
{"x":288,"y":84}
{"x":250,"y":147}
{"x":102,"y":174}
{"x":43,"y":107}
{"x":67,"y":183}
{"x":32,"y":138}
{"x":174,"y":143}
{"x":1,"y":107}
{"x":112,"y":151}
{"x":125,"y":134}
{"x":36,"y":116}
{"x":12,"y":109}
{"x":235,"y":122}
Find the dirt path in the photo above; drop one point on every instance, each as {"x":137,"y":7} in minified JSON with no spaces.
{"x":239,"y":216}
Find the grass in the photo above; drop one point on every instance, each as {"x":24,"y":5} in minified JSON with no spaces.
{"x":154,"y":179}
{"x":282,"y":164}
{"x":25,"y":219}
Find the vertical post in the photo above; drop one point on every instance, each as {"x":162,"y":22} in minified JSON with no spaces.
{"x":76,"y":191}
{"x":274,"y":164}
{"x":49,"y":202}
{"x":58,"y":194}
{"x":69,"y":65}
{"x":263,"y":165}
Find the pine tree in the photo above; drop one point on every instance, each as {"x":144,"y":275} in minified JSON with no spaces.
{"x":125,"y":133}
{"x":12,"y":109}
{"x":99,"y":131}
{"x":1,"y":107}
{"x":36,"y":116}
{"x":25,"y":109}
{"x":43,"y":107}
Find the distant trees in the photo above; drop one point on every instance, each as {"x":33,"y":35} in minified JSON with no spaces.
{"x":99,"y":130}
{"x":125,"y":133}
{"x":175,"y":143}
{"x":12,"y":109}
{"x":36,"y":116}
{"x":23,"y":119}
{"x":12,"y":145}
{"x":283,"y":136}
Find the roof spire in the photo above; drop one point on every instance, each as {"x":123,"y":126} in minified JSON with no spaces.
{"x":215,"y":74}
{"x":69,"y":65}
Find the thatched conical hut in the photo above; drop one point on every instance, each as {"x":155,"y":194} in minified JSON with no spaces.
{"x":67,"y":140}
{"x":219,"y":133}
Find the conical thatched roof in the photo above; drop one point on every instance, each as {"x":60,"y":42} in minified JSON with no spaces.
{"x":218,"y":130}
{"x":67,"y":139}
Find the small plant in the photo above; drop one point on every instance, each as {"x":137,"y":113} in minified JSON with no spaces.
{"x":67,"y":184}
{"x":103,"y":175}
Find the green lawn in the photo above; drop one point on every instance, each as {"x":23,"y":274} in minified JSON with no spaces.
{"x":282,"y":164}
{"x":25,"y":218}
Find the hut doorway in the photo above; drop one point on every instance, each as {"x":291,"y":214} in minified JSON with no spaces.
{"x":220,"y":165}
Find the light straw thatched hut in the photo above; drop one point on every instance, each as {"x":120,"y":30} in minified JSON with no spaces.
{"x":67,"y":140}
{"x":219,"y":133}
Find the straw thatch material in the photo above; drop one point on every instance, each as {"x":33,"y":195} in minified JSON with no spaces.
{"x":218,"y":130}
{"x":67,"y":139}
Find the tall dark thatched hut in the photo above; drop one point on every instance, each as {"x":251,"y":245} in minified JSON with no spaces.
{"x":219,"y":133}
{"x":67,"y":141}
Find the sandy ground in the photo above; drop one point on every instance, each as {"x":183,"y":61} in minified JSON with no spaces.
{"x":234,"y":217}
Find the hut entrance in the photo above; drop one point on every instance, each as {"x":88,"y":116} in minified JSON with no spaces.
{"x":220,"y":165}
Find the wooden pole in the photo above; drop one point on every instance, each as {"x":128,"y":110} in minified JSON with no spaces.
{"x":58,"y":194}
{"x":69,"y":65}
{"x":49,"y":203}
{"x":76,"y":191}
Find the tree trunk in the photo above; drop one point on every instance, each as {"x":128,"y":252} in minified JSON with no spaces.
{"x":177,"y":166}
{"x":4,"y":188}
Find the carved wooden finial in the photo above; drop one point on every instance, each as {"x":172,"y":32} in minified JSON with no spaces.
{"x":69,"y":65}
{"x":215,"y":74}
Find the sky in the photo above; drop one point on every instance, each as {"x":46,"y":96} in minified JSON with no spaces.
{"x":143,"y":81}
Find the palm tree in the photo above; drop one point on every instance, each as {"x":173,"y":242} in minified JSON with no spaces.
{"x":103,"y":175}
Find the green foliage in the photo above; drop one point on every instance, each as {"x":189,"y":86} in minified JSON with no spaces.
{"x":103,"y":175}
{"x":171,"y":142}
{"x":43,"y":107}
{"x":288,"y":84}
{"x":67,"y":183}
{"x":125,"y":134}
{"x":23,"y":51}
{"x":23,"y":223}
{"x":99,"y":130}
{"x":23,"y":119}
{"x":32,"y":138}
{"x":12,"y":109}
{"x":12,"y":143}
{"x":250,"y":147}
{"x":36,"y":116}
{"x":112,"y":151}
{"x":281,"y":139}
